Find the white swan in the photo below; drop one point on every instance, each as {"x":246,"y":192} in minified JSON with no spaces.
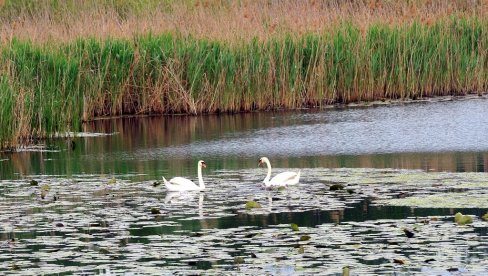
{"x":180,"y":184}
{"x":281,"y":179}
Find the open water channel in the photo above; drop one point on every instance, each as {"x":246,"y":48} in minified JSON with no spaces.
{"x":368,"y":173}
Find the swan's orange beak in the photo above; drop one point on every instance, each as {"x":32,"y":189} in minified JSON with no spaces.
{"x":260,"y":162}
{"x":204,"y":165}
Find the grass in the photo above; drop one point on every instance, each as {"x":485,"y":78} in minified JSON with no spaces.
{"x":53,"y":88}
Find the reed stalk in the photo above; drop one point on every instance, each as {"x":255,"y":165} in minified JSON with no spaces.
{"x":48,"y":87}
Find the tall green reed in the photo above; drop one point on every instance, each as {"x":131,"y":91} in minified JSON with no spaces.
{"x":46,"y":89}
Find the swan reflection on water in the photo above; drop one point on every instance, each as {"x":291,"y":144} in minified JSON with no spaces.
{"x":185,"y":198}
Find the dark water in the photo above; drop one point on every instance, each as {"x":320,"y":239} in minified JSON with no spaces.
{"x":440,"y":136}
{"x":449,"y":136}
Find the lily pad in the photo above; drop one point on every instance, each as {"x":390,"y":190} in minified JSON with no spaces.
{"x":111,"y":227}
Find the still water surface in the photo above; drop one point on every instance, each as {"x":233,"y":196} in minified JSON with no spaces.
{"x":438,"y":136}
{"x":86,"y":225}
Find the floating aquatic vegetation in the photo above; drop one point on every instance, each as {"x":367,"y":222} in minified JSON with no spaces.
{"x":94,"y":227}
{"x":400,"y":261}
{"x":485,"y":217}
{"x":305,"y":238}
{"x":239,"y":260}
{"x":336,"y":187}
{"x":443,"y":200}
{"x":408,"y":233}
{"x":82,"y":134}
{"x":252,"y":204}
{"x":462,"y":219}
{"x":155,"y":211}
{"x":43,"y":193}
{"x":112,"y":181}
{"x":294,"y":227}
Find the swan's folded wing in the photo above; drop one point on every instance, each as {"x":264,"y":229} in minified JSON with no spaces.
{"x":181,"y":181}
{"x":283,"y":177}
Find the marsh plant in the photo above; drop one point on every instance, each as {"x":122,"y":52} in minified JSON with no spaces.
{"x":49,"y":88}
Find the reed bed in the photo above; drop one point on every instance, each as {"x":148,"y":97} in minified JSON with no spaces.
{"x":49,"y":21}
{"x":67,"y":62}
{"x":45,"y":89}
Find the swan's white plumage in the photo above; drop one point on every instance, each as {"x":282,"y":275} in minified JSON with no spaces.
{"x":281,"y":179}
{"x":180,"y":184}
{"x":285,"y":178}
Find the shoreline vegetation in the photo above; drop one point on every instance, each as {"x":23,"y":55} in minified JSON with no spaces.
{"x":67,"y":62}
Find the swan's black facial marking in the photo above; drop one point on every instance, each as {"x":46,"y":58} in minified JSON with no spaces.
{"x":203,"y":164}
{"x":260,"y":161}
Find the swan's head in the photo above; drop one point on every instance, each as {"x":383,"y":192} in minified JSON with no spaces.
{"x":262,"y":160}
{"x":202,"y":164}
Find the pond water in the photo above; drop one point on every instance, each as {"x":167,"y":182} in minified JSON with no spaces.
{"x":98,"y":206}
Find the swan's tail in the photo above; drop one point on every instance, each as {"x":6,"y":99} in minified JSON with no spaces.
{"x":166,"y":182}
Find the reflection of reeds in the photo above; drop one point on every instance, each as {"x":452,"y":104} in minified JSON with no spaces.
{"x":114,"y":154}
{"x":49,"y":88}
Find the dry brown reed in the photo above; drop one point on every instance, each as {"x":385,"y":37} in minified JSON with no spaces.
{"x":220,"y":19}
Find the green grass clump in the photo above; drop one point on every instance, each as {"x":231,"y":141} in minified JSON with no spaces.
{"x":45,"y":89}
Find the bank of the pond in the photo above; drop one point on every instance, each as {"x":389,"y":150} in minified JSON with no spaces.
{"x":52,"y":88}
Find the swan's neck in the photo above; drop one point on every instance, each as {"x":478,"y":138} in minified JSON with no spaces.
{"x":200,"y":178}
{"x":268,"y":176}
